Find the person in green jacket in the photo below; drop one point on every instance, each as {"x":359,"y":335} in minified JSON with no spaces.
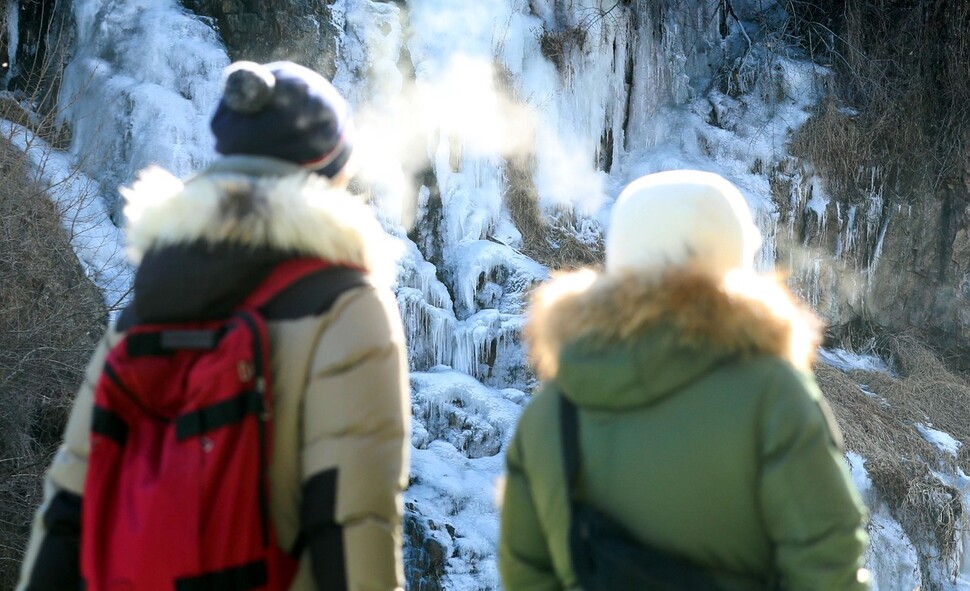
{"x":701,"y":428}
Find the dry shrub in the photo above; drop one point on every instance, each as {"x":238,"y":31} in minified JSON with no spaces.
{"x":862,"y":154}
{"x":557,"y":45}
{"x":51,"y":316}
{"x":550,"y":240}
{"x":522,"y":199}
{"x":21,"y":110}
{"x":881,"y":427}
{"x":930,"y":388}
{"x":45,"y":128}
{"x":11,"y":110}
{"x":571,"y":252}
{"x":896,"y":115}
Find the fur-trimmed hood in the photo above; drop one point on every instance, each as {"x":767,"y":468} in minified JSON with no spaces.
{"x":661,"y":331}
{"x":258,"y":203}
{"x":203,"y":244}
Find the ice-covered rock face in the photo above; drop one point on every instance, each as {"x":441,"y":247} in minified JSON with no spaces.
{"x":252,"y":32}
{"x":140,"y":89}
{"x":460,"y":430}
{"x":449,"y":406}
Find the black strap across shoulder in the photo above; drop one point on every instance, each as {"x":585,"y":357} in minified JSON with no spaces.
{"x":218,"y":415}
{"x":570,"y":444}
{"x":605,"y":556}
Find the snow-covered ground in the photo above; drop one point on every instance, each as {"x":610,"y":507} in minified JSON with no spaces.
{"x":99,"y":245}
{"x":145,"y":78}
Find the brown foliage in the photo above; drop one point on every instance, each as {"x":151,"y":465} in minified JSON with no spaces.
{"x":50,"y":318}
{"x":879,"y":421}
{"x":557,"y":46}
{"x":549,"y":241}
{"x":897,"y":114}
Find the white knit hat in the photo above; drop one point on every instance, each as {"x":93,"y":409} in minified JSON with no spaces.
{"x":681,"y":218}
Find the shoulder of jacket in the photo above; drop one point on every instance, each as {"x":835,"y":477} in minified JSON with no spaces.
{"x":316,"y":294}
{"x":540,"y":417}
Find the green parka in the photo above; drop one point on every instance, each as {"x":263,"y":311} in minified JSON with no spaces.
{"x":702,"y":431}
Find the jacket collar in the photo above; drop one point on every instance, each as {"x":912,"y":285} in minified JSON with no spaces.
{"x":746,"y":314}
{"x":257,"y":203}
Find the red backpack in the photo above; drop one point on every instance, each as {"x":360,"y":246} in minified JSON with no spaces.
{"x":177,"y":491}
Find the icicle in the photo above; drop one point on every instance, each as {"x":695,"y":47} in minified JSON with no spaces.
{"x":13,"y":40}
{"x":850,"y":230}
{"x":474,"y":339}
{"x":429,"y":330}
{"x":841,"y":229}
{"x":877,"y":253}
{"x":767,"y":222}
{"x":817,"y":203}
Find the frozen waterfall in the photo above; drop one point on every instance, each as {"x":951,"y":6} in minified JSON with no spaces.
{"x":449,"y":93}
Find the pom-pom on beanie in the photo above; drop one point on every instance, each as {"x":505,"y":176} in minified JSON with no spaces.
{"x":685,"y":219}
{"x":286,"y":111}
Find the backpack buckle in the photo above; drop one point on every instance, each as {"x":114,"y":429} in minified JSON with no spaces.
{"x":246,"y":371}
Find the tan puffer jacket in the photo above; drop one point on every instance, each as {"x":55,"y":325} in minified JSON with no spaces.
{"x":340,"y":376}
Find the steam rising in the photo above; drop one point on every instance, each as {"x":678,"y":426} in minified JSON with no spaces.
{"x":465,"y":111}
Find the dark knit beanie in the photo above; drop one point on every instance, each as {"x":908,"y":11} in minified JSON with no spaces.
{"x":286,"y":111}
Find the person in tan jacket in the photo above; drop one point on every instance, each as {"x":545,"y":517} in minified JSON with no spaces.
{"x":341,"y":411}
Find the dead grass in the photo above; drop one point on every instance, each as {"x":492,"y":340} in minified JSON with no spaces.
{"x":896,"y":124}
{"x":550,"y":240}
{"x":557,"y":45}
{"x":50,"y":318}
{"x":896,"y":119}
{"x":45,"y":128}
{"x":881,"y":427}
{"x":861,"y":154}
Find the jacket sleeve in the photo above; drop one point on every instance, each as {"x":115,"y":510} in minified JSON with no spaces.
{"x":356,"y":426}
{"x":52,"y":562}
{"x":810,"y":507}
{"x":525,"y":563}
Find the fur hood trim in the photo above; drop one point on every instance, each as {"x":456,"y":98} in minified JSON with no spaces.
{"x":298,"y":212}
{"x":745,"y":314}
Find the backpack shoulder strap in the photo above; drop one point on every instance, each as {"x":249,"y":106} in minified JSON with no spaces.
{"x":281,"y":277}
{"x":313,"y":293}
